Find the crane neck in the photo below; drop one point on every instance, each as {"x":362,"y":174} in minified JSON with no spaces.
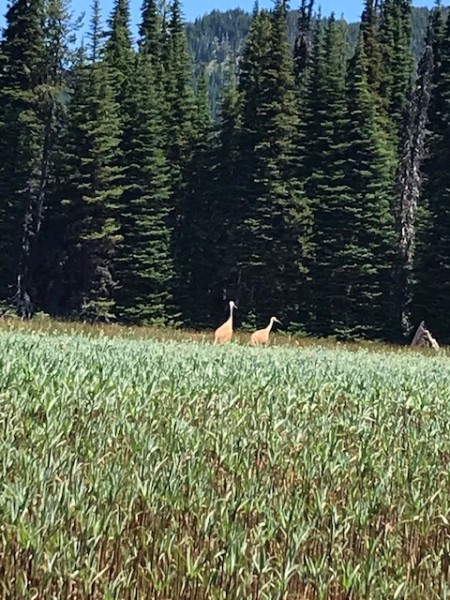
{"x":230,"y":318}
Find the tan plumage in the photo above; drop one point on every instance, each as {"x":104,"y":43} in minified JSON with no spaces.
{"x":224,"y":333}
{"x":262,"y":335}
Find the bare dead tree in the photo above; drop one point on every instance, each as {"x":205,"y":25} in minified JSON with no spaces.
{"x":423,"y":338}
{"x":409,"y":181}
{"x":24,"y":306}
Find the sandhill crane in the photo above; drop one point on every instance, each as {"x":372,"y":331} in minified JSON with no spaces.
{"x":262,"y":335}
{"x":224,"y":333}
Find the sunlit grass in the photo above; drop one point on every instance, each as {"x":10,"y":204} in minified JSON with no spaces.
{"x":135,"y":465}
{"x":241,"y":336}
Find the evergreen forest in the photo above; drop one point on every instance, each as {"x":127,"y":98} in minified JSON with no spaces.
{"x":217,"y":40}
{"x":316,"y":186}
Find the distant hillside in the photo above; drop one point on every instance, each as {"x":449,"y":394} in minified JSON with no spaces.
{"x":217,"y":40}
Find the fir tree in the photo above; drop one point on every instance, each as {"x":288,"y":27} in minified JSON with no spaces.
{"x":395,"y":36}
{"x":118,"y":49}
{"x":92,"y":186}
{"x":178,"y":118}
{"x":45,"y":260}
{"x":434,"y":258}
{"x":35,"y":56}
{"x":145,"y":266}
{"x":22,"y":174}
{"x":119,"y":52}
{"x":271,"y":238}
{"x":252,"y":198}
{"x":366,"y":258}
{"x":325,"y":162}
{"x":373,"y":50}
{"x":154,"y":45}
{"x":228,"y":182}
{"x":303,"y":41}
{"x":197,"y":239}
{"x":151,"y":33}
{"x":179,"y":92}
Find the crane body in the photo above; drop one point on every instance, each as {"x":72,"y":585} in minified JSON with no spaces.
{"x":261,"y":337}
{"x":224,"y":333}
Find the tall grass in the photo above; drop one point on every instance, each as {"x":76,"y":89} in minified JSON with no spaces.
{"x":166,"y":470}
{"x":280,"y":337}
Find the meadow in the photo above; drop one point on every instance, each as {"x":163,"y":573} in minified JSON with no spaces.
{"x":134,"y":467}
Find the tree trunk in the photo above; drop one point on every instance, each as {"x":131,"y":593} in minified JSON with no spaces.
{"x":409,"y":180}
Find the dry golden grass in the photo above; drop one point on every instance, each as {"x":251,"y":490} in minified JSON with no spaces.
{"x":166,"y":334}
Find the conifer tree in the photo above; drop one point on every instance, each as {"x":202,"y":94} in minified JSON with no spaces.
{"x":151,"y":33}
{"x":325,"y":169}
{"x":436,"y":35}
{"x":34,"y":55}
{"x":179,"y":112}
{"x":434,"y":258}
{"x":118,"y":46}
{"x":92,"y":190}
{"x":304,"y":41}
{"x":367,"y":255}
{"x":145,"y":266}
{"x":228,"y":182}
{"x":153,"y":44}
{"x":119,"y":52}
{"x":272,"y":235}
{"x":179,"y":92}
{"x":119,"y":197}
{"x":45,"y":262}
{"x":397,"y":66}
{"x":310,"y":90}
{"x":249,"y":241}
{"x":22,"y":181}
{"x":197,"y":238}
{"x":373,"y":50}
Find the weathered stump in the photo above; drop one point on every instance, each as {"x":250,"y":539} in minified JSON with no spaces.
{"x":423,"y":338}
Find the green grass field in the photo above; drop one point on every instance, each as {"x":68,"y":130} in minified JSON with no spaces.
{"x":150,"y":468}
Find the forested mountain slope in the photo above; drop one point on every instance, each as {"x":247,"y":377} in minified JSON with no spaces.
{"x":217,"y":40}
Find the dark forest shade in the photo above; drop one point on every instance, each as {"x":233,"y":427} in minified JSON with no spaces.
{"x":122,"y":197}
{"x":22,"y":131}
{"x":434,"y":253}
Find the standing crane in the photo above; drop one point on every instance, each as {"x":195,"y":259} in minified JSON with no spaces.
{"x":262,"y":335}
{"x":224,"y":333}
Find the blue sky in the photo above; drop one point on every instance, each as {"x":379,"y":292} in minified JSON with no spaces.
{"x":350,"y":9}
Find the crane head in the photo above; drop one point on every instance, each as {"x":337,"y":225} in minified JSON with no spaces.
{"x":232,"y":304}
{"x":275,"y":320}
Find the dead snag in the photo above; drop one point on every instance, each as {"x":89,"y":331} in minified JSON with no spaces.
{"x":423,"y":338}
